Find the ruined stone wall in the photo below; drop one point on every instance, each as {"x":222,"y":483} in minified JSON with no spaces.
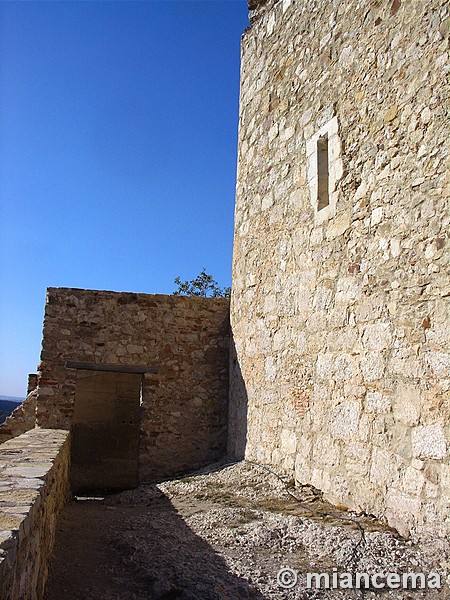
{"x":340,"y":315}
{"x":34,"y":472}
{"x":184,"y":404}
{"x":22,"y":419}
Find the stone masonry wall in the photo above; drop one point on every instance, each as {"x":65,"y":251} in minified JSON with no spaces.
{"x":22,"y":419}
{"x":184,"y":406}
{"x":340,"y":315}
{"x":34,"y":486}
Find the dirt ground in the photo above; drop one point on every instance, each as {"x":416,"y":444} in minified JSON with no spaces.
{"x":225,"y":534}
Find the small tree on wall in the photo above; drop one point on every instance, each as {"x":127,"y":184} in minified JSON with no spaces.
{"x":203,"y":286}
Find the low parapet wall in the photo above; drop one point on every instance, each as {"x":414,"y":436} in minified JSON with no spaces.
{"x":34,"y":486}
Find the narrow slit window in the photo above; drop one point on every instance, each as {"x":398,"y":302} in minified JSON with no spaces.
{"x":323,"y":174}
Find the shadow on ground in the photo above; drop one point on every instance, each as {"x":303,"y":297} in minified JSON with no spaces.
{"x":134,"y":545}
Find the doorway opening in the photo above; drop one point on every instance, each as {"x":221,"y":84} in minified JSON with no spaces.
{"x":105,"y":432}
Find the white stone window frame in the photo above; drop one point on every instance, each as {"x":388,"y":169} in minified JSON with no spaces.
{"x":335,"y":169}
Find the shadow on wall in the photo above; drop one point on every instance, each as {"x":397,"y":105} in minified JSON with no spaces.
{"x":237,"y":408}
{"x":136,"y":545}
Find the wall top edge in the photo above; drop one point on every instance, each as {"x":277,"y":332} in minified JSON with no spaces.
{"x":131,"y":296}
{"x":257,"y":8}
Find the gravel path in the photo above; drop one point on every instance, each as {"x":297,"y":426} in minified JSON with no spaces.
{"x":225,"y":534}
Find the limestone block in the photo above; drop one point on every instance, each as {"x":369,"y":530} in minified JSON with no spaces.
{"x":377,"y":216}
{"x":288,"y":463}
{"x":270,"y":369}
{"x":417,"y":464}
{"x":323,"y":298}
{"x":412,"y":482}
{"x":369,"y":308}
{"x":357,"y":451}
{"x":372,"y":366}
{"x":445,"y":478}
{"x":302,"y":469}
{"x":342,"y":368}
{"x":338,"y":367}
{"x":344,"y":421}
{"x":400,"y":440}
{"x":325,"y":453}
{"x":288,"y":441}
{"x":364,"y":429}
{"x":377,"y":336}
{"x":377,"y":403}
{"x":304,"y":445}
{"x":382,"y":467}
{"x":431,"y":490}
{"x":403,"y":503}
{"x":286,"y":5}
{"x":337,"y":226}
{"x":277,"y":456}
{"x":357,"y":459}
{"x":347,"y":290}
{"x":429,"y":441}
{"x":406,"y":404}
{"x":340,"y":489}
{"x":317,"y":476}
{"x":325,"y":366}
{"x":440,"y":363}
{"x":368,"y":497}
{"x":401,"y":520}
{"x":406,"y":366}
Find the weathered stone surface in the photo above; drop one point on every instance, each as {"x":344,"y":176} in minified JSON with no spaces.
{"x":344,"y":423}
{"x":402,"y":510}
{"x":30,"y":500}
{"x":429,"y":441}
{"x":184,"y":406}
{"x":407,"y":404}
{"x":351,"y":349}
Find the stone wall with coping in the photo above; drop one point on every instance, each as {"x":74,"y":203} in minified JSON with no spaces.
{"x":184,"y":406}
{"x":340,"y":321}
{"x":34,"y":486}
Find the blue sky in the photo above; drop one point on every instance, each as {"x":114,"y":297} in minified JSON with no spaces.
{"x":118,"y":142}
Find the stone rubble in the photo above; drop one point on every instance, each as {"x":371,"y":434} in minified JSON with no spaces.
{"x":223,"y":534}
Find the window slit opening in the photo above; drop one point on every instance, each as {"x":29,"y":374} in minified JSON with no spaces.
{"x":323,"y":173}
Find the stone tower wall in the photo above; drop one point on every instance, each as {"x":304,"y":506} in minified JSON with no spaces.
{"x":340,"y":315}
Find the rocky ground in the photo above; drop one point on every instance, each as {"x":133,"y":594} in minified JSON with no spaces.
{"x":224,"y":534}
